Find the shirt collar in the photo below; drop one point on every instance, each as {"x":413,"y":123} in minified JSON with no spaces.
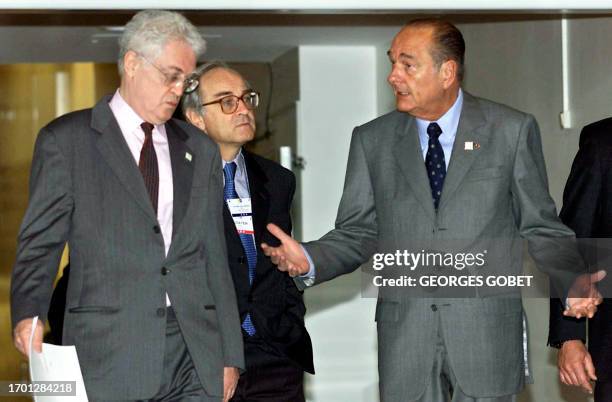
{"x":239,"y":160}
{"x":448,"y":122}
{"x":129,"y":121}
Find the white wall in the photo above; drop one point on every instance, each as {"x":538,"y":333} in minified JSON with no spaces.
{"x":337,"y":92}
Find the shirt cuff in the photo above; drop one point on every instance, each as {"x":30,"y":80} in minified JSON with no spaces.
{"x":308,"y":278}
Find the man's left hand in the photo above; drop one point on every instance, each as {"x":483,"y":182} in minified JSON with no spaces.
{"x":583,"y":297}
{"x":230,"y":381}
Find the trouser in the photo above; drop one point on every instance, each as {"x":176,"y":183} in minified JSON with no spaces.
{"x":443,"y":385}
{"x":180,"y":382}
{"x":269,"y":378}
{"x":603,"y":391}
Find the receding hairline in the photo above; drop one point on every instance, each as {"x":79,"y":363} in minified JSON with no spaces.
{"x":224,"y":69}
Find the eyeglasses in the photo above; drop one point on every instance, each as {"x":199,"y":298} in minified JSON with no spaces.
{"x":176,"y":79}
{"x":229,"y":103}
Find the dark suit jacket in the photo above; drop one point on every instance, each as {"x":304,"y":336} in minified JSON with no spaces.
{"x":273,"y":300}
{"x":86,"y":189}
{"x":587,"y":209}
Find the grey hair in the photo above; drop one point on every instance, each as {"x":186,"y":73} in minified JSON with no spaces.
{"x":194,"y":99}
{"x":149,"y":30}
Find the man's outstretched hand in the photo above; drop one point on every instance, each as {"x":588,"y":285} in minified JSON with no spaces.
{"x":289,"y":256}
{"x":583,"y":297}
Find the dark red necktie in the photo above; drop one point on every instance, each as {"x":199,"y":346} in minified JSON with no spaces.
{"x":148,"y":164}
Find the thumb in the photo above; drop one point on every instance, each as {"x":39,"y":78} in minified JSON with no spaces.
{"x":38,"y":338}
{"x":589,"y":367}
{"x":278,"y":233}
{"x":597,"y":276}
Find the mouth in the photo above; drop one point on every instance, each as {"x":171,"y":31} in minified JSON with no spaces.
{"x":244,"y":125}
{"x":400,"y":93}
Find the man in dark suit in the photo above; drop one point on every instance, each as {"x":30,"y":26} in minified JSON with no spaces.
{"x":277,"y":346}
{"x":587,"y":209}
{"x":445,"y":171}
{"x":150,"y":304}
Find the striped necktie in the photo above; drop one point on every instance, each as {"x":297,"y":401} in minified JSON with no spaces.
{"x":148,"y":164}
{"x":248,"y":243}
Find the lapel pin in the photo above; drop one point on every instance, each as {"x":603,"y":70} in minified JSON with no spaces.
{"x":188,"y":156}
{"x":470,"y":146}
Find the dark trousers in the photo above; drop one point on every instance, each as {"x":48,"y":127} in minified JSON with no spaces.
{"x":603,"y":391}
{"x":180,"y":382}
{"x":269,"y":378}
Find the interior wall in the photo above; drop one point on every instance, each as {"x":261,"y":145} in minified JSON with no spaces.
{"x":335,"y":96}
{"x":32,"y":95}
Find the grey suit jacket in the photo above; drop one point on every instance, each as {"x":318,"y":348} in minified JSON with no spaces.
{"x":85,"y":189}
{"x":493,"y":195}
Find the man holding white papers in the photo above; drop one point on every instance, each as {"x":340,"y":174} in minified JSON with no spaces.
{"x":137,"y":195}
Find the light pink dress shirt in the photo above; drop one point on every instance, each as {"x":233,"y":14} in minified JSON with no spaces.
{"x":129,"y":123}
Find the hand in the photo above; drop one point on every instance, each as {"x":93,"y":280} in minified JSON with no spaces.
{"x":230,"y":380}
{"x":289,"y":256}
{"x":584,"y":297}
{"x":575,"y":365}
{"x":21,"y":336}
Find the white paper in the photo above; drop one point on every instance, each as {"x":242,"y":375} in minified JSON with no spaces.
{"x":56,"y":363}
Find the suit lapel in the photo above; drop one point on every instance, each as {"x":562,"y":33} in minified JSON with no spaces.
{"x":409,"y":158}
{"x":260,"y":198}
{"x":259,"y":208}
{"x":469,"y":130}
{"x":182,"y":160}
{"x":115,"y":151}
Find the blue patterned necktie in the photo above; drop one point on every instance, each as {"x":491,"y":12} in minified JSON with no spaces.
{"x":435,"y":163}
{"x":229,"y":192}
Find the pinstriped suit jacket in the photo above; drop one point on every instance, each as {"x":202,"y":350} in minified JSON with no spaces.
{"x":85,"y":189}
{"x":495,"y":191}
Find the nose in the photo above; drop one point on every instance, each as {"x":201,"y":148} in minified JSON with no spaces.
{"x":393,"y":77}
{"x":178,"y":88}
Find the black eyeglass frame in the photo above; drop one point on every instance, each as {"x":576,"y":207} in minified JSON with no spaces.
{"x":248,"y":92}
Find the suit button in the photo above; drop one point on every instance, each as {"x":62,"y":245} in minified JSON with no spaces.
{"x":241,"y":260}
{"x":161,"y":312}
{"x":165,"y":271}
{"x":156,"y":229}
{"x":434,"y":307}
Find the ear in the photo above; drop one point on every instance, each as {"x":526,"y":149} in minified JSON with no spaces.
{"x":448,"y":73}
{"x":196,"y":119}
{"x":131,"y":62}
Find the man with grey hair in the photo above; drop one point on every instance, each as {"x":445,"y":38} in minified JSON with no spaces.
{"x":277,"y":347}
{"x":150,"y":304}
{"x":454,"y":173}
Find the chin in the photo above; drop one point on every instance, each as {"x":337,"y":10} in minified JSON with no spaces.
{"x":403,"y":107}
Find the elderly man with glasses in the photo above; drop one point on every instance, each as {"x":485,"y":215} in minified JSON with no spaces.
{"x":277,"y":346}
{"x":150,"y":304}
